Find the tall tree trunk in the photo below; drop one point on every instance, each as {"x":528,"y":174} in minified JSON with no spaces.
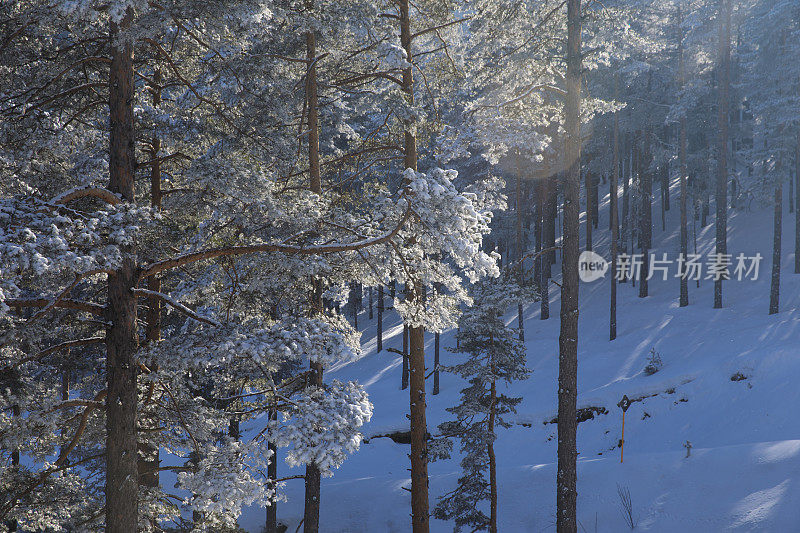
{"x":589,"y":217}
{"x":646,"y":220}
{"x":520,"y":252}
{"x":566,"y":478}
{"x":404,"y":376}
{"x":797,"y":211}
{"x":550,"y":220}
{"x":419,"y":426}
{"x":122,"y":476}
{"x":626,"y":226}
{"x":313,"y":475}
{"x":436,"y":340}
{"x":380,"y":318}
{"x":722,"y":140}
{"x":272,"y":477}
{"x":775,"y":285}
{"x":684,"y":282}
{"x":492,"y":461}
{"x":612,"y":194}
{"x":369,"y":291}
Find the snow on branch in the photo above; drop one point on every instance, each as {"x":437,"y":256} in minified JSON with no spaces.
{"x":175,"y":304}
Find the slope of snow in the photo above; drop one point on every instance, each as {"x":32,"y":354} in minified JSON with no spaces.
{"x":742,"y":474}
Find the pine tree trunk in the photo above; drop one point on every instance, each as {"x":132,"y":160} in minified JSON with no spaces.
{"x":613,"y":196}
{"x":566,"y":480}
{"x":404,"y":376}
{"x":370,"y":303}
{"x":775,"y":285}
{"x":588,"y":186}
{"x":313,"y":474}
{"x":646,"y":220}
{"x":797,"y":211}
{"x":721,"y":196}
{"x":684,"y":282}
{"x":122,"y":476}
{"x":520,"y":252}
{"x":492,"y":461}
{"x":380,"y":318}
{"x":272,"y":476}
{"x":419,"y":427}
{"x":626,"y":226}
{"x":436,"y":363}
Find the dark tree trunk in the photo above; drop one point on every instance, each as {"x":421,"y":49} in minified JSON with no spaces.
{"x":626,"y":225}
{"x":613,"y":197}
{"x":775,"y":285}
{"x":520,"y":252}
{"x":721,"y":197}
{"x":797,"y":211}
{"x":122,"y":476}
{"x":684,"y":282}
{"x":646,"y":220}
{"x":272,"y":476}
{"x":380,"y":318}
{"x":492,"y":462}
{"x":436,"y":364}
{"x":404,"y":377}
{"x":589,"y":217}
{"x":566,"y":477}
{"x":313,"y":474}
{"x":370,"y":303}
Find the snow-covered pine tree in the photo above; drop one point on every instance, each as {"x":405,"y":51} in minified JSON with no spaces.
{"x":494,"y":357}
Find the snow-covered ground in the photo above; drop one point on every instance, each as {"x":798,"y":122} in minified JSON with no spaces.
{"x":744,"y":470}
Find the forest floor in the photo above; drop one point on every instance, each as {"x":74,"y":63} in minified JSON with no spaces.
{"x":744,"y":470}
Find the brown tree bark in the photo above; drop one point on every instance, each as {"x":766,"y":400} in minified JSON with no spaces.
{"x":721,"y":196}
{"x":419,"y":426}
{"x":122,"y":479}
{"x":313,"y":475}
{"x":566,"y":477}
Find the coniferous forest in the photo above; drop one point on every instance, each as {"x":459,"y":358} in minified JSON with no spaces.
{"x":399,"y":265}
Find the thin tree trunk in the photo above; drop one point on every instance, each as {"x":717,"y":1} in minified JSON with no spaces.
{"x":775,"y":286}
{"x":566,"y":477}
{"x":722,"y":141}
{"x":436,"y":364}
{"x":380,"y":318}
{"x":684,"y":282}
{"x":122,"y":476}
{"x":370,"y":302}
{"x":612,"y":194}
{"x":520,"y":252}
{"x":626,"y":226}
{"x":492,"y":462}
{"x":272,"y":476}
{"x":646,"y":220}
{"x":313,"y":474}
{"x":404,"y":377}
{"x":797,"y":211}
{"x":588,"y":186}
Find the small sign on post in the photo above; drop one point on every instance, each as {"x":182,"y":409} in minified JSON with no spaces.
{"x":623,"y":404}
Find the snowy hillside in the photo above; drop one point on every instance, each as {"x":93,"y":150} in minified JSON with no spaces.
{"x":728,"y":385}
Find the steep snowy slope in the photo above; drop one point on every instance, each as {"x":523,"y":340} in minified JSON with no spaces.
{"x":744,"y":470}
